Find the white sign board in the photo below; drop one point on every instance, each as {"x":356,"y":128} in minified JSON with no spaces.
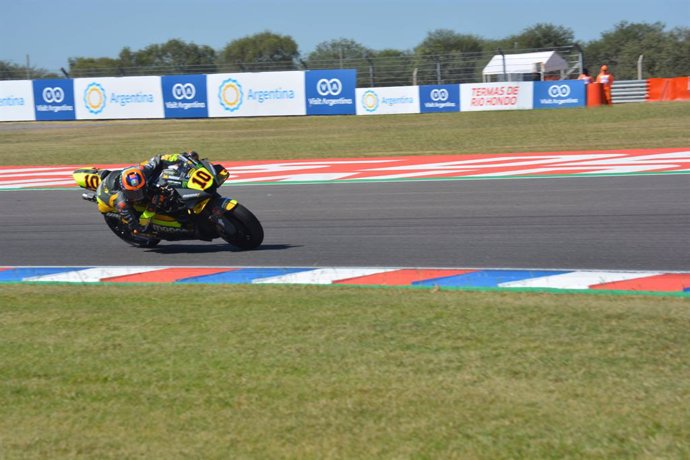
{"x":118,"y":97}
{"x":256,"y":94}
{"x":17,"y":100}
{"x":388,"y":100}
{"x":496,"y":96}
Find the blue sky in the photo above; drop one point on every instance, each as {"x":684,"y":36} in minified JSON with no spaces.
{"x":51,"y":31}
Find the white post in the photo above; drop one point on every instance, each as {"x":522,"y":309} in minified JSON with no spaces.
{"x":639,"y":67}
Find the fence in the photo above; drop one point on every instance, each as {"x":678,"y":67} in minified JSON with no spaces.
{"x":623,"y":91}
{"x":405,"y":68}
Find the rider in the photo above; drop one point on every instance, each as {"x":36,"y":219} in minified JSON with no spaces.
{"x":122,"y":190}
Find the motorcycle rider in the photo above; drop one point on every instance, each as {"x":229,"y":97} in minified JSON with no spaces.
{"x":121,"y":191}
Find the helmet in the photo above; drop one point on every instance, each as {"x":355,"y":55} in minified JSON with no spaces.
{"x":133,"y":184}
{"x":605,"y":68}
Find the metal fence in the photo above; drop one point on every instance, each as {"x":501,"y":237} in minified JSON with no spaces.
{"x":623,"y":91}
{"x":376,"y":70}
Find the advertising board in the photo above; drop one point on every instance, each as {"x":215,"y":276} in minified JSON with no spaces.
{"x":496,"y":96}
{"x":387,"y":100}
{"x":439,"y":98}
{"x":54,"y":99}
{"x":331,"y":92}
{"x":184,"y":96}
{"x":16,"y":100}
{"x":118,"y":97}
{"x":256,"y":94}
{"x":559,"y":94}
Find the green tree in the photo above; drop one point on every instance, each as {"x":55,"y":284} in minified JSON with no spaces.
{"x":392,"y":67}
{"x":173,"y":56}
{"x":265,"y":51}
{"x":541,"y":35}
{"x":675,"y":59}
{"x":665,"y":54}
{"x":10,"y":71}
{"x":445,"y":56}
{"x":344,"y":53}
{"x":94,"y":67}
{"x":337,"y":54}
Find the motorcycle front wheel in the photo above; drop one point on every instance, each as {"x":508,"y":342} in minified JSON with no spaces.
{"x":124,"y":234}
{"x":241,"y":228}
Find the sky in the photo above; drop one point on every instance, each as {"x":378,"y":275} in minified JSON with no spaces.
{"x":51,"y":31}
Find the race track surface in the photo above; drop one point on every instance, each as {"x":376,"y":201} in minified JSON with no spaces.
{"x":636,"y":223}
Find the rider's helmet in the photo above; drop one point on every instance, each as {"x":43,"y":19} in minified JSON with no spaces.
{"x":133,"y":184}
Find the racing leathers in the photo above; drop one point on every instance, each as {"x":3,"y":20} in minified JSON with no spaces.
{"x":110,"y":195}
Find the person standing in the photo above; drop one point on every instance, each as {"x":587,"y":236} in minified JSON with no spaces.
{"x":606,"y":80}
{"x":585,"y":76}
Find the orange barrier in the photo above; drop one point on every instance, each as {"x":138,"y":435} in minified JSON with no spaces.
{"x":669,"y":89}
{"x":595,"y":94}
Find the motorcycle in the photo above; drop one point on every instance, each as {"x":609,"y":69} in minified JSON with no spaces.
{"x":185,"y":196}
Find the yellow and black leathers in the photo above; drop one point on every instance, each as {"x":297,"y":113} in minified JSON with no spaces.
{"x":110,"y":197}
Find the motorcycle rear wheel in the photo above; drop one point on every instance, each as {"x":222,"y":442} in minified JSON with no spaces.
{"x":124,"y":234}
{"x":248,"y":232}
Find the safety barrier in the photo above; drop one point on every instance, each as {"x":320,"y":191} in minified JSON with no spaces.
{"x":312,"y":92}
{"x":669,"y":89}
{"x":623,"y":91}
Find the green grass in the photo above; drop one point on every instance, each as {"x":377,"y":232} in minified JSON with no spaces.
{"x":338,"y":372}
{"x":341,"y":372}
{"x":619,"y":127}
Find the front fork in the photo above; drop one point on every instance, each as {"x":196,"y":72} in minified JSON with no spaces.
{"x":218,"y":209}
{"x":221,"y":205}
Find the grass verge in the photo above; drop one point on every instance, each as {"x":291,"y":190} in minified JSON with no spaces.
{"x":308,"y":372}
{"x":630,"y":126}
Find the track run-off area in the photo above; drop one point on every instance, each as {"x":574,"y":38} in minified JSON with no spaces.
{"x":602,"y":220}
{"x":483,"y":166}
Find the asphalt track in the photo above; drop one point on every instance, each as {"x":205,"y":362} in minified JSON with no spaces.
{"x":633,"y":222}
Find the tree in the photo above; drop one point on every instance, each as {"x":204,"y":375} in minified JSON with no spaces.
{"x":10,"y":71}
{"x":265,"y":51}
{"x":445,"y":56}
{"x":665,"y":53}
{"x":541,"y":35}
{"x":675,"y":58}
{"x":344,"y":53}
{"x":336,"y":54}
{"x":392,"y":67}
{"x":94,"y":67}
{"x":173,"y":56}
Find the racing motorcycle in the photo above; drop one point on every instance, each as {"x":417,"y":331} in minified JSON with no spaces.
{"x":182,"y":210}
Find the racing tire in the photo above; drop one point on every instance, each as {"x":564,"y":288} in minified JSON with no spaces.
{"x":246,"y":232}
{"x":125,"y":235}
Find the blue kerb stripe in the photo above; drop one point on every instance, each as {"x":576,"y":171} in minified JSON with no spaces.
{"x":18,"y":274}
{"x":243,"y":275}
{"x":487,"y":278}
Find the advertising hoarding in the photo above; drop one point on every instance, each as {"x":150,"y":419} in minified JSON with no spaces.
{"x":331,"y":92}
{"x":496,"y":96}
{"x":388,"y":100}
{"x":54,"y":99}
{"x":16,"y":100}
{"x":439,"y":98}
{"x":559,"y":94}
{"x":256,"y":94}
{"x":184,"y":96}
{"x":118,"y":97}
